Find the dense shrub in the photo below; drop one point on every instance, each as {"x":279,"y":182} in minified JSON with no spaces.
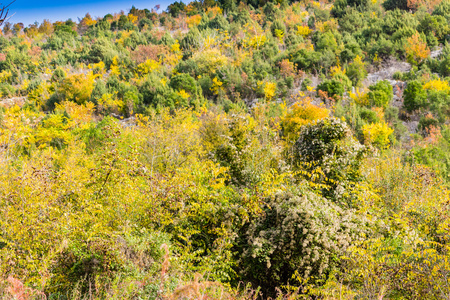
{"x":77,"y":87}
{"x":298,"y":233}
{"x":328,"y":145}
{"x":180,"y":128}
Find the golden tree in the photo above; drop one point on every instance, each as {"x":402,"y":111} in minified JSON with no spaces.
{"x":416,"y":49}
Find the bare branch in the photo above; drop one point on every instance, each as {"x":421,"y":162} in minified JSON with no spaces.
{"x":4,"y":12}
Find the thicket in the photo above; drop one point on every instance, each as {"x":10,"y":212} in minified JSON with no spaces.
{"x":227,"y":150}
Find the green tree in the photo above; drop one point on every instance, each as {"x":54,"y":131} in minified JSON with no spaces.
{"x":356,"y":71}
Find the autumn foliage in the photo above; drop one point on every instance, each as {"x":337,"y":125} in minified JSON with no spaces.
{"x":228,"y":150}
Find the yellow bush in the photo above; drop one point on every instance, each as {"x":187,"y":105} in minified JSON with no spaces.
{"x":16,"y":127}
{"x":39,"y":94}
{"x":437,"y":85}
{"x":132,"y":18}
{"x":279,"y":34}
{"x":125,"y":35}
{"x":217,"y":86}
{"x":5,"y":76}
{"x":337,"y":71}
{"x":148,"y":66}
{"x":80,"y":115}
{"x":269,"y":90}
{"x":115,"y":66}
{"x":54,"y":131}
{"x":209,"y":61}
{"x":175,"y":48}
{"x":182,"y":93}
{"x":303,"y":30}
{"x":109,"y":103}
{"x":214,"y":11}
{"x":78,"y":87}
{"x":301,"y":113}
{"x":99,"y":67}
{"x":360,"y":97}
{"x":377,"y":134}
{"x":256,"y":41}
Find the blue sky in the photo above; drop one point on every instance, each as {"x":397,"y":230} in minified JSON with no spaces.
{"x":27,"y":12}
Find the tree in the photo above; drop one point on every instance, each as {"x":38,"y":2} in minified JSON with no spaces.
{"x":7,"y":27}
{"x":176,"y":8}
{"x":395,"y":4}
{"x":356,"y":71}
{"x":46,"y":27}
{"x":416,"y":49}
{"x":17,"y":28}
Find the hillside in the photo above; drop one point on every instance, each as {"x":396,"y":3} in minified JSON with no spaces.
{"x":228,"y":150}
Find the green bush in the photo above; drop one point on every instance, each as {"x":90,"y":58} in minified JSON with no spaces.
{"x":184,"y":82}
{"x":426,"y":123}
{"x":443,"y":9}
{"x":444,"y":65}
{"x":380,"y":94}
{"x":395,"y":4}
{"x":335,"y":86}
{"x":7,"y":90}
{"x":154,"y":93}
{"x":391,"y":115}
{"x":414,"y":97}
{"x":102,"y":50}
{"x":277,"y":25}
{"x":58,"y":75}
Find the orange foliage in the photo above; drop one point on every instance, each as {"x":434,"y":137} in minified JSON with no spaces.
{"x":428,"y":4}
{"x":35,"y":51}
{"x":145,"y":52}
{"x":193,"y":21}
{"x":293,"y":18}
{"x":214,"y":11}
{"x":416,"y":49}
{"x":287,"y":68}
{"x":433,"y":135}
{"x":21,"y":292}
